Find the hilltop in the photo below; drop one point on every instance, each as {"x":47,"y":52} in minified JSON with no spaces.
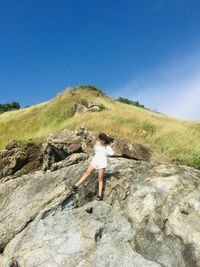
{"x":170,"y":139}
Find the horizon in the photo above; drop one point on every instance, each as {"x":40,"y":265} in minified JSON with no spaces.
{"x":146,"y":52}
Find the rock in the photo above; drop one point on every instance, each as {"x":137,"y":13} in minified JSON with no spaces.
{"x":72,"y":159}
{"x":165,"y":249}
{"x":84,"y":105}
{"x":13,"y":144}
{"x":57,"y":152}
{"x":16,"y":159}
{"x":61,"y":145}
{"x":66,"y":142}
{"x":125,"y":148}
{"x":150,"y":216}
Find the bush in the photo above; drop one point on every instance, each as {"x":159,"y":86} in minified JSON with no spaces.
{"x":195,"y":162}
{"x":102,"y":107}
{"x":91,"y":87}
{"x":9,"y":106}
{"x":130,"y":102}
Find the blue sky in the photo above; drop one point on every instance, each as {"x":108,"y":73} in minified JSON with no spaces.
{"x":146,"y":50}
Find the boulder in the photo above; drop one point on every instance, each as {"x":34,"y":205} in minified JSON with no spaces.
{"x":57,"y":152}
{"x":72,"y":159}
{"x":125,"y":148}
{"x":84,"y":105}
{"x":59,"y":146}
{"x":62,"y":144}
{"x":149,"y":216}
{"x":17,"y":159}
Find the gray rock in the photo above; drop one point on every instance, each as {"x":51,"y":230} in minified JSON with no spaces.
{"x":72,"y":159}
{"x":84,"y":105}
{"x":62,"y":144}
{"x":17,"y":159}
{"x":150,"y":216}
{"x":126,"y":148}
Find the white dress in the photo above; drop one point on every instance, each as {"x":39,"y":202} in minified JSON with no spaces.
{"x":100,"y":158}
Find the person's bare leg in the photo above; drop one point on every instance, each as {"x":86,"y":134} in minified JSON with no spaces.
{"x":85,"y":175}
{"x":100,"y":180}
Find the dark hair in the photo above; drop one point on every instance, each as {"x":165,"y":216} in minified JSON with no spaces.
{"x":105,"y":138}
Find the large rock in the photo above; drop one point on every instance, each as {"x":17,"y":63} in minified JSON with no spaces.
{"x":84,"y":105}
{"x":150,"y":216}
{"x":57,"y":152}
{"x":17,"y":159}
{"x":61,"y":145}
{"x":126,"y":148}
{"x":72,"y":159}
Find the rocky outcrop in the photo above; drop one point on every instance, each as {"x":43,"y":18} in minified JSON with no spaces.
{"x":84,"y":105}
{"x":62,"y":145}
{"x":61,"y":150}
{"x":72,"y":159}
{"x":150,"y":216}
{"x":125,"y":148}
{"x":17,"y":159}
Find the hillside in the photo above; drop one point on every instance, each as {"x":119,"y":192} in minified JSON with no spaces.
{"x":170,"y":139}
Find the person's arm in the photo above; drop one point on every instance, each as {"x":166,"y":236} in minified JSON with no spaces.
{"x":109,"y":150}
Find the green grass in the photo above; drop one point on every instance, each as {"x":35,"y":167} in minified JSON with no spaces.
{"x":170,"y":139}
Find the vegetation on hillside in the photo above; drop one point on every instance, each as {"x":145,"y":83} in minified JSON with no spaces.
{"x":130,"y":102}
{"x":9,"y":106}
{"x":91,"y":87}
{"x":170,"y":139}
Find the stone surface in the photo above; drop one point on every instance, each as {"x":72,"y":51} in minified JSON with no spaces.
{"x":59,"y":146}
{"x":72,"y":159}
{"x":126,"y":148}
{"x":84,"y":105}
{"x":60,"y":150}
{"x":62,"y":144}
{"x":16,"y":159}
{"x":150,"y":216}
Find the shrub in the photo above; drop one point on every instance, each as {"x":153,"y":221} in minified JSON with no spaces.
{"x":9,"y":106}
{"x":130,"y":102}
{"x":195,"y":161}
{"x":91,"y":87}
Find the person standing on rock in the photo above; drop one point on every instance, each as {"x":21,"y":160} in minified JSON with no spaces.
{"x":99,"y":162}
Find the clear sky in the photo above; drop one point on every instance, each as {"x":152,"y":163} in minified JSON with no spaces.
{"x":145,"y":50}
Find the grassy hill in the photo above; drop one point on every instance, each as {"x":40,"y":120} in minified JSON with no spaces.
{"x":171,"y":140}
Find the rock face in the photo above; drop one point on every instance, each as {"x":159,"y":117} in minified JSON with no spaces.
{"x":125,"y":148}
{"x":60,"y":150}
{"x":150,"y":217}
{"x":61,"y":146}
{"x":16,"y":159}
{"x":84,"y":105}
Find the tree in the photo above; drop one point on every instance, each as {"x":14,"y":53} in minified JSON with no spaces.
{"x":130,"y":102}
{"x":9,"y":106}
